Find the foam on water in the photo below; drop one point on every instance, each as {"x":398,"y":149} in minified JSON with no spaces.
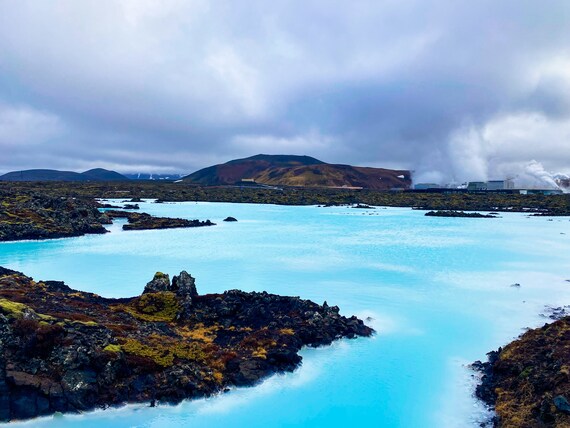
{"x":438,"y":290}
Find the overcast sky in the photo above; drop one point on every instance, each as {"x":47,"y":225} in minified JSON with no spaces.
{"x":450,"y":89}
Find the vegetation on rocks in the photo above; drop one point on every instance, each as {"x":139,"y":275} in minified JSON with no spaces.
{"x":32,"y":215}
{"x":528,"y":381}
{"x":176,"y":192}
{"x":29,"y":213}
{"x":144,"y":221}
{"x":63,"y":350}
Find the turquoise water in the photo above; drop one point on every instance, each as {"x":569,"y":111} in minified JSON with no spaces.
{"x":437,"y":289}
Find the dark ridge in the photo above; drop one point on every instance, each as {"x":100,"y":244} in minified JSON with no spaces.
{"x":144,"y":221}
{"x":97,"y":174}
{"x":43,"y":175}
{"x":100,"y":174}
{"x":448,"y":213}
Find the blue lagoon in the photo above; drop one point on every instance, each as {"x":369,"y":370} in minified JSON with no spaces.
{"x":437,"y":290}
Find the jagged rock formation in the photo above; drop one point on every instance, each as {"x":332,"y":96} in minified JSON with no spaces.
{"x":528,"y":381}
{"x":63,"y":350}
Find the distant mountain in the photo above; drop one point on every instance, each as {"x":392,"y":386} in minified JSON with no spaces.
{"x":238,"y":169}
{"x":147,"y":176}
{"x":97,"y":174}
{"x":100,"y":174}
{"x":290,"y":170}
{"x":43,"y":175}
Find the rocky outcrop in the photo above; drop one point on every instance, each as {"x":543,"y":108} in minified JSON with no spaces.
{"x":33,"y":215}
{"x":528,"y":381}
{"x":230,"y":219}
{"x":36,"y":216}
{"x":144,"y":221}
{"x":184,"y":285}
{"x":160,"y":282}
{"x":459,"y":214}
{"x":63,"y":350}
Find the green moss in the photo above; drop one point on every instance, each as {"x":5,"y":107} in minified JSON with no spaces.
{"x":163,"y":350}
{"x":159,"y":356}
{"x":87,"y":323}
{"x":16,"y":310}
{"x":13,"y":309}
{"x":526,"y":372}
{"x":154,"y":307}
{"x":112,"y":348}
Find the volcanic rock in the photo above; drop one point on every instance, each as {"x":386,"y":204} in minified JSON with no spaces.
{"x":63,"y":350}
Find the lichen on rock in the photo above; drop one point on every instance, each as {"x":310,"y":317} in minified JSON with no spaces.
{"x":63,"y":350}
{"x":527,"y":382}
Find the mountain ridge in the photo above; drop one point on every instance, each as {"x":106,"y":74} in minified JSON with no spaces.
{"x":95,"y":174}
{"x":301,"y":171}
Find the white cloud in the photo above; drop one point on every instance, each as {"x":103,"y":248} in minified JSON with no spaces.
{"x":370,"y":83}
{"x":25,"y":126}
{"x":239,"y":79}
{"x":297,"y":144}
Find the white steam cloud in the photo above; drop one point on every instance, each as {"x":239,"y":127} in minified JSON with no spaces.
{"x":534,"y":175}
{"x":526,"y":147}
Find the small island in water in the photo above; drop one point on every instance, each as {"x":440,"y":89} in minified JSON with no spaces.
{"x":63,"y":350}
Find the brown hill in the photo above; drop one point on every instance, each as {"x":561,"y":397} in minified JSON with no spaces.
{"x":305,"y":171}
{"x":238,"y":169}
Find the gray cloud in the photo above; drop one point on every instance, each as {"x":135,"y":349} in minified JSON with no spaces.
{"x":460,"y":90}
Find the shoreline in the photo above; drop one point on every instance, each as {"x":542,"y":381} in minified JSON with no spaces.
{"x":527,"y":381}
{"x":65,"y":350}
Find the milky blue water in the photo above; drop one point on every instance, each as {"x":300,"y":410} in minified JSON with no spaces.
{"x":438,"y":291}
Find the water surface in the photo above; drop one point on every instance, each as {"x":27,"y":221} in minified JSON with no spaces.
{"x":438,"y":291}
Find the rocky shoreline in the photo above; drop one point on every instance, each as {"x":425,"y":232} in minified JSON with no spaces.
{"x":551,"y":205}
{"x":33,"y":215}
{"x":144,"y":221}
{"x":36,"y":216}
{"x":63,"y":350}
{"x":527,"y":382}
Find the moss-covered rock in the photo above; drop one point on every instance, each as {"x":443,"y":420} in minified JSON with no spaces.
{"x":37,"y":216}
{"x":73,"y":351}
{"x":528,"y":381}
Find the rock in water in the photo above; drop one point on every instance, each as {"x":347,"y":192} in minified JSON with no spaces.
{"x":230,"y":219}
